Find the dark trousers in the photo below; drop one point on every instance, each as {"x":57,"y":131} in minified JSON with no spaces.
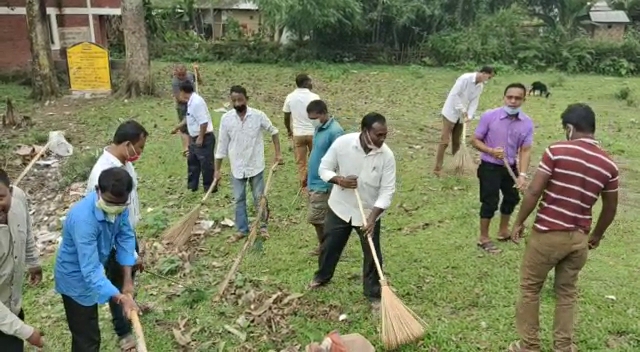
{"x":121,"y":324}
{"x":10,"y":343}
{"x":494,"y":179}
{"x":337,"y":232}
{"x":84,"y":325}
{"x":200,"y":161}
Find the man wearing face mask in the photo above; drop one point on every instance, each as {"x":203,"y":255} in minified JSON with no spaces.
{"x":503,"y":134}
{"x":367,"y":164}
{"x":571,"y":176}
{"x":241,"y":141}
{"x":460,"y":107}
{"x":327,"y":130}
{"x":298,"y":124}
{"x":202,"y":139}
{"x":93,"y":226}
{"x":126,"y":148}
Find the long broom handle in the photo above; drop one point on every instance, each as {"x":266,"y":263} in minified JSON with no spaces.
{"x":211,"y":188}
{"x":254,"y":231}
{"x":195,"y":77}
{"x":137,"y":328}
{"x":505,"y":161}
{"x":33,"y":162}
{"x":369,"y":239}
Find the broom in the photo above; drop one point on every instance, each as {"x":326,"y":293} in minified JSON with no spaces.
{"x":400,"y":325}
{"x":195,"y":78}
{"x":137,"y":328}
{"x":462,"y":161}
{"x":179,"y":233}
{"x":250,"y":240}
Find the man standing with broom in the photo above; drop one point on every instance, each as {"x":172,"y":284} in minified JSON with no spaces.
{"x":460,"y":106}
{"x":201,"y":139}
{"x":367,"y":164}
{"x":241,"y":141}
{"x":327,"y":130}
{"x":181,"y":75}
{"x":500,"y":134}
{"x":93,"y":226}
{"x":126,"y":148}
{"x":18,"y":254}
{"x":571,"y":176}
{"x":299,"y":126}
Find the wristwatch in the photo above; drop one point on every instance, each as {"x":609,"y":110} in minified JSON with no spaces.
{"x":524,"y":174}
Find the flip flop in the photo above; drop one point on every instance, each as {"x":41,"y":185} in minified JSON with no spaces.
{"x":489,"y":247}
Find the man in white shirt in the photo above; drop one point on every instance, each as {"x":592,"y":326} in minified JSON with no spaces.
{"x":299,"y":126}
{"x":241,"y":141}
{"x":126,"y":148}
{"x":460,"y":106}
{"x":367,"y":164}
{"x":202,"y":139}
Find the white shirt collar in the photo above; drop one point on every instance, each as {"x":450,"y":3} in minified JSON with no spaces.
{"x":111,"y":158}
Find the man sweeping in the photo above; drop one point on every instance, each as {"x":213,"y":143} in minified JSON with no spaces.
{"x":18,"y":254}
{"x":367,"y":164}
{"x":201,"y":139}
{"x":460,"y":107}
{"x":180,"y":76}
{"x":571,"y":176}
{"x":93,"y":226}
{"x":327,"y":130}
{"x":500,"y":134}
{"x":125,"y":149}
{"x":298,"y":123}
{"x":241,"y":141}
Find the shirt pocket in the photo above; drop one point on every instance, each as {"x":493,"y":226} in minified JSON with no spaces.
{"x":372,"y":177}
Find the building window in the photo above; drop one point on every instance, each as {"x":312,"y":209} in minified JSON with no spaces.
{"x":54,"y":36}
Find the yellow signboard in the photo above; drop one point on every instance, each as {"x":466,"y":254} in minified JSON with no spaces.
{"x":88,"y":66}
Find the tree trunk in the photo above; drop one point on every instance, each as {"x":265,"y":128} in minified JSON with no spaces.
{"x":138,"y":66}
{"x":44,"y":81}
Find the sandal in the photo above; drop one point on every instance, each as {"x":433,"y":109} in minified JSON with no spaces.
{"x":128,"y":344}
{"x":489,"y":247}
{"x":515,"y":347}
{"x":264,"y":233}
{"x":504,"y":237}
{"x":236,"y":238}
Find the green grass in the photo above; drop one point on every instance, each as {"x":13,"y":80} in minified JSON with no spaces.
{"x":428,"y":235}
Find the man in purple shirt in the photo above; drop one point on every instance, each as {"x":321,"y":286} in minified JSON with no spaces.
{"x":501,"y":134}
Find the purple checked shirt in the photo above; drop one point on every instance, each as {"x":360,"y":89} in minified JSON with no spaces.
{"x":497,"y":130}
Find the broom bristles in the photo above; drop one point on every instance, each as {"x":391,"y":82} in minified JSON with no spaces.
{"x":180,"y":232}
{"x":462,"y":163}
{"x":400,"y":325}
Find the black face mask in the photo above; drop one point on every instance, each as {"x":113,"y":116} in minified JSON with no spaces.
{"x":240,"y":108}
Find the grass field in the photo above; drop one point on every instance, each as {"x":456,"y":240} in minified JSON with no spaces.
{"x":428,"y":238}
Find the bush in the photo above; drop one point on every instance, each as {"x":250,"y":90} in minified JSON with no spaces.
{"x":502,"y":39}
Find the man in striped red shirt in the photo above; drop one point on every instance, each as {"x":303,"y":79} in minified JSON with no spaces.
{"x":571,"y":177}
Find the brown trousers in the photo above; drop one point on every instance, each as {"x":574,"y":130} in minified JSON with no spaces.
{"x":567,"y":253}
{"x":451,"y":132}
{"x":301,"y":149}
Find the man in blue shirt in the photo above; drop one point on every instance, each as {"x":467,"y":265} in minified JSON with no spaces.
{"x":95,"y":225}
{"x":327,"y":130}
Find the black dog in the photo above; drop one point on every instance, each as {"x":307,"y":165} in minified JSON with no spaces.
{"x":540,"y":88}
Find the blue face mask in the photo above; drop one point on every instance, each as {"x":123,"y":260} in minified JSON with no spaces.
{"x":511,"y":111}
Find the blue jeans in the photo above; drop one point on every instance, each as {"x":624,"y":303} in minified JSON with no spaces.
{"x":240,"y":196}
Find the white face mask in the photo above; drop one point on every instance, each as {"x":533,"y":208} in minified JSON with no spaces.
{"x":368,"y":142}
{"x":316,"y":123}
